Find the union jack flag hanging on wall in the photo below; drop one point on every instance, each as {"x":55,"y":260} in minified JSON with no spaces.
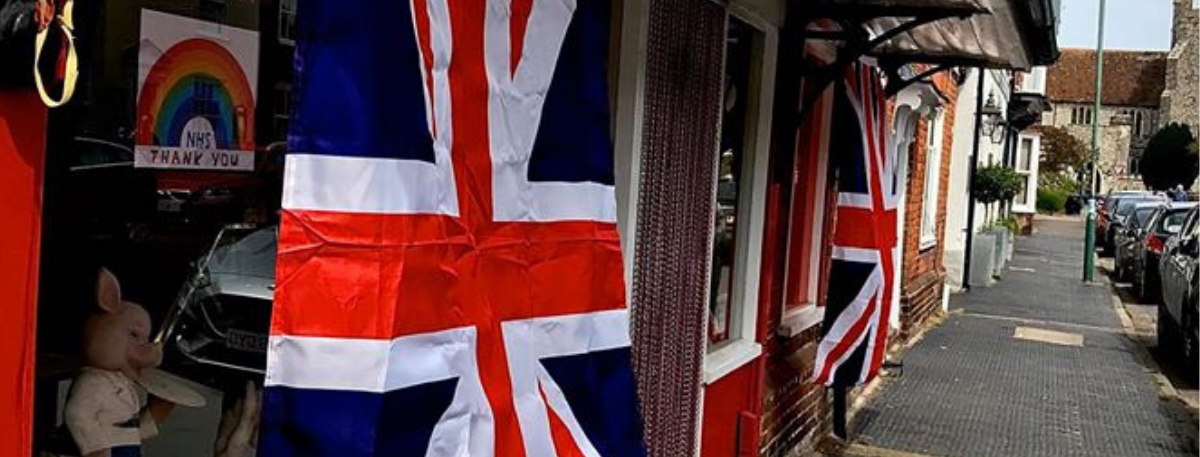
{"x":864,"y":256}
{"x":449,"y":276}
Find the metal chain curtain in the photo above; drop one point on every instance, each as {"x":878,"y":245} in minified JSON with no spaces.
{"x":675,"y":217}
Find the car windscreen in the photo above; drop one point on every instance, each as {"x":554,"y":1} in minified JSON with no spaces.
{"x":1142,"y":215}
{"x":1125,"y":206}
{"x":1171,"y":221}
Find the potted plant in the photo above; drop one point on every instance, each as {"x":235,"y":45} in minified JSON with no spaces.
{"x":993,"y":183}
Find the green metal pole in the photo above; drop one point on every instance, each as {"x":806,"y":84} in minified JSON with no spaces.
{"x":1089,"y":247}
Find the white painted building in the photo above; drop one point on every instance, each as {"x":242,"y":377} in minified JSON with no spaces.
{"x":997,"y":92}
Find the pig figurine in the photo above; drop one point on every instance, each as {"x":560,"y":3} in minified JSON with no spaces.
{"x":104,"y":412}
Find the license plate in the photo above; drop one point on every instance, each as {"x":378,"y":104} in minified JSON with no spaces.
{"x":245,"y":341}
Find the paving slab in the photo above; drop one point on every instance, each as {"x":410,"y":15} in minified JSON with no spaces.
{"x":972,"y":388}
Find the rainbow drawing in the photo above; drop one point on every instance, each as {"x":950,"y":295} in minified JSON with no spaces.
{"x":196,"y":78}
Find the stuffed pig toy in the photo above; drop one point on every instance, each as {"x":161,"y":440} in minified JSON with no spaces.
{"x":104,"y":411}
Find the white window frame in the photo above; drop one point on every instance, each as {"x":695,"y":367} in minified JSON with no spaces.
{"x":629,"y":109}
{"x":933,"y":167}
{"x":743,"y":346}
{"x":1030,"y":174}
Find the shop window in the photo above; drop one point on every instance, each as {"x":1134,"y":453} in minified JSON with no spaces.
{"x":1022,"y":197}
{"x":933,"y":167}
{"x":287,"y":22}
{"x":281,"y":110}
{"x":1026,"y":161}
{"x":170,"y":195}
{"x":1025,"y":155}
{"x":739,"y":199}
{"x":724,"y":309}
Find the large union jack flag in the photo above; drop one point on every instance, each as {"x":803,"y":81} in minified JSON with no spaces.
{"x":864,"y":258}
{"x":449,"y":276}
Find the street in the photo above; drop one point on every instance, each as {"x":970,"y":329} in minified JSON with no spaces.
{"x":1038,"y":365}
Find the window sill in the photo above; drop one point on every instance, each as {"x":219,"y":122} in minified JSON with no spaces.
{"x":801,"y":319}
{"x":732,"y":356}
{"x":926,"y":245}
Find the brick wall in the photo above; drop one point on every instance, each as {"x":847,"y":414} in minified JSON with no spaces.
{"x":795,"y":412}
{"x":923,"y":272}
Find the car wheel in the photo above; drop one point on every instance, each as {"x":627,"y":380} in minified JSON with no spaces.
{"x":1166,"y":332}
{"x":1191,"y":348}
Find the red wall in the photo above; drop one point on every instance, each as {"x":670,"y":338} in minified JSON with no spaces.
{"x":728,"y":401}
{"x":22,"y":154}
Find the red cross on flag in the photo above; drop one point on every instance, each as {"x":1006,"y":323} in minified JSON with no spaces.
{"x":450,"y":277}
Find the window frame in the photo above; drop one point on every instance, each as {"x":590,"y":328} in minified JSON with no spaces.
{"x":743,"y":346}
{"x":928,"y":236}
{"x":1029,"y":174}
{"x":282,"y":11}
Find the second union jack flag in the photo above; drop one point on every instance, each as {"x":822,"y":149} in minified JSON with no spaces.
{"x":449,"y":273}
{"x":864,"y":257}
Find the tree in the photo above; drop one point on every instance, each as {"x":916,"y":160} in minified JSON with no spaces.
{"x":1061,"y":150}
{"x":995,"y":183}
{"x":1170,"y":158}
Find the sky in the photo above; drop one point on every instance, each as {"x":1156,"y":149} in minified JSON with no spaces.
{"x":1128,"y":24}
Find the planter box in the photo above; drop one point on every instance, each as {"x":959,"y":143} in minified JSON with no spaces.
{"x":983,"y":259}
{"x":1003,"y":249}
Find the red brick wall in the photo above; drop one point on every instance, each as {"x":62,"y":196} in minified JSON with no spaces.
{"x":795,"y":413}
{"x":792,"y":413}
{"x":923,"y":274}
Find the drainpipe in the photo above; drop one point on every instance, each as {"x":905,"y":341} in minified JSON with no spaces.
{"x":966,"y":279}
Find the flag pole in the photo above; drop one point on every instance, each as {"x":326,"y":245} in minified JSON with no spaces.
{"x":839,"y":411}
{"x":1089,"y":247}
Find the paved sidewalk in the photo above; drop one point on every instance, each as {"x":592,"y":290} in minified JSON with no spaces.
{"x":1074,"y":385}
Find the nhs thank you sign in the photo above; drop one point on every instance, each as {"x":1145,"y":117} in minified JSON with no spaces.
{"x":195,"y":106}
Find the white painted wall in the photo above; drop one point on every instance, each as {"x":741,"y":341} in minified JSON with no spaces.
{"x":1034,"y":82}
{"x":996,"y":83}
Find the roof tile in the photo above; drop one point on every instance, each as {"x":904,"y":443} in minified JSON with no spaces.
{"x":1131,"y":78}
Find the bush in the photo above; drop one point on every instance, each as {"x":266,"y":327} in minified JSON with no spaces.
{"x":1051,"y":201}
{"x":1010,"y":223}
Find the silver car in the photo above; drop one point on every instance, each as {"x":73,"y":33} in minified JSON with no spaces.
{"x":222,"y":313}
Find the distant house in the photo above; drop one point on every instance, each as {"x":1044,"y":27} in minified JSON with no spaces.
{"x":1130,"y":106}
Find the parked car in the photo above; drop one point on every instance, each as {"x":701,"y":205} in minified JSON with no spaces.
{"x":222,"y":314}
{"x":1116,"y":210}
{"x":1178,"y":313}
{"x":1075,"y":203}
{"x":1104,"y":202}
{"x":1163,"y":225}
{"x":1129,"y":237}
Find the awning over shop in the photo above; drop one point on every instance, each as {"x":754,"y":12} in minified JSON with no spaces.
{"x":1007,"y":34}
{"x":871,"y":9}
{"x":1010,"y":36}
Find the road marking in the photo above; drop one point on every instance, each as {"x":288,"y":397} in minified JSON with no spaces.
{"x":1042,"y":322}
{"x":862,"y":450}
{"x":1023,"y":269}
{"x":1048,"y":336}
